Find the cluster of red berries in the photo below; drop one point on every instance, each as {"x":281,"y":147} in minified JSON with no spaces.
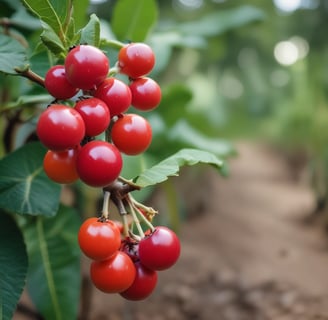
{"x":124,"y":265}
{"x":69,"y":132}
{"x":123,"y":262}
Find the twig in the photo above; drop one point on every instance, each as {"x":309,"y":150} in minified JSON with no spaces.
{"x":29,"y":74}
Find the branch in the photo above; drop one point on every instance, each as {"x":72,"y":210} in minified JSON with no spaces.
{"x":29,"y":74}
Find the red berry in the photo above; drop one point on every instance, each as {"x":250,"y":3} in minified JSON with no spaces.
{"x":98,"y":239}
{"x":86,"y":66}
{"x":60,"y":166}
{"x":131,"y":134}
{"x":136,"y":59}
{"x":113,"y":275}
{"x":99,"y":163}
{"x":57,"y":84}
{"x":116,"y":94}
{"x":146,"y":94}
{"x":95,"y":114}
{"x":131,"y":248}
{"x":60,"y":128}
{"x":160,"y":249}
{"x":143,"y":284}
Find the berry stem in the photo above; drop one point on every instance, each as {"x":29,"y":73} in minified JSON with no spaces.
{"x":105,"y":211}
{"x":135,"y":218}
{"x":150,"y":211}
{"x":125,"y":225}
{"x":113,"y":71}
{"x":146,"y":221}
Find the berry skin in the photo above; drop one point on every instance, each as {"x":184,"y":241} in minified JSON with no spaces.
{"x":116,"y":94}
{"x":143,"y":284}
{"x":113,"y":275}
{"x":99,"y":240}
{"x":60,"y":128}
{"x":160,"y":249}
{"x":57,"y":84}
{"x":136,"y":59}
{"x":99,"y":163}
{"x":146,"y":94}
{"x":95,"y":114}
{"x":61,"y":166}
{"x":86,"y":67}
{"x":131,"y":134}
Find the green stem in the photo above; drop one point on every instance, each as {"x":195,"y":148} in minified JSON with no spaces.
{"x":136,"y":205}
{"x":47,"y":268}
{"x":125,"y":225}
{"x":135,"y":219}
{"x":105,"y":212}
{"x":112,"y":44}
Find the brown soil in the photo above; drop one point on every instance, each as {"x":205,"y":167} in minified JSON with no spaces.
{"x":246,"y":252}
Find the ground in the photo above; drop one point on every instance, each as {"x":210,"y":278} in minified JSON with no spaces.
{"x":246,"y":252}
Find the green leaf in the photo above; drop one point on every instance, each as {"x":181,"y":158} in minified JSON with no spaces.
{"x":171,"y":166}
{"x":45,"y":10}
{"x":163,"y":43}
{"x":174,"y":101}
{"x":54,"y":263}
{"x":90,"y":34}
{"x":132,"y":20}
{"x":51,"y":40}
{"x":62,"y":9}
{"x":23,"y":19}
{"x":13,"y":265}
{"x":39,"y":61}
{"x":219,"y":22}
{"x":24,"y":187}
{"x":183,"y":133}
{"x":79,"y":12}
{"x":28,"y":99}
{"x":12,"y":55}
{"x":71,"y":36}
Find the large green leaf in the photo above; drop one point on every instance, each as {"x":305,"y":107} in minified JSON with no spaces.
{"x":23,"y":19}
{"x":54,"y":263}
{"x":45,"y":10}
{"x":220,"y":21}
{"x":183,"y":133}
{"x":132,"y":20}
{"x":90,"y":34}
{"x":79,"y":12}
{"x":24,"y":187}
{"x":12,"y":55}
{"x":171,"y":166}
{"x":13,"y":265}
